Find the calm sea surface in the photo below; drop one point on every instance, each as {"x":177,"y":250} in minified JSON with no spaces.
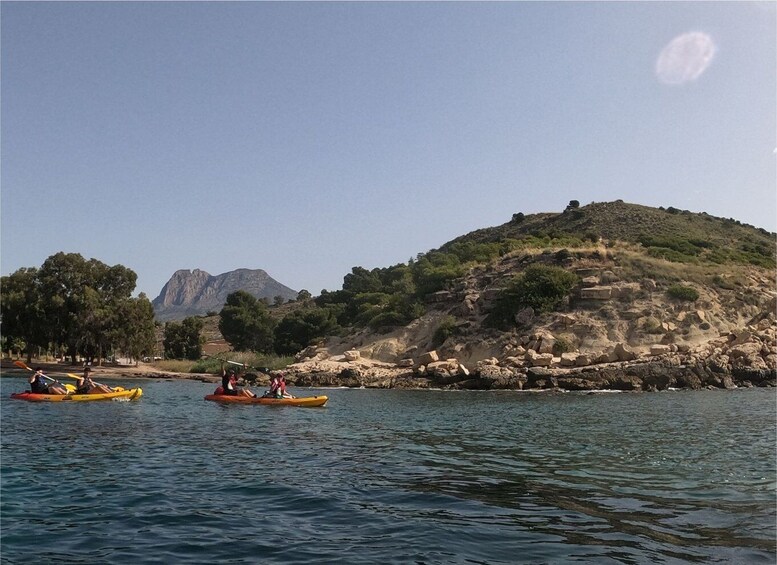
{"x":380,"y":476}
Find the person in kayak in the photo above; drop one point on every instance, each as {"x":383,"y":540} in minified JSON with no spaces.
{"x":278,"y":387}
{"x":229,"y":384}
{"x":86,"y":385}
{"x":38,"y":385}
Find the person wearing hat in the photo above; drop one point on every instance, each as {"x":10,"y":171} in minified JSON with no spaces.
{"x":87,"y":386}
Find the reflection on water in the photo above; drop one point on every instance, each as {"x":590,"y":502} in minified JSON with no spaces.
{"x":392,"y":476}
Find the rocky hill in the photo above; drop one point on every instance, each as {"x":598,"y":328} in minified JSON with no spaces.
{"x":664,"y":298}
{"x":190,"y":293}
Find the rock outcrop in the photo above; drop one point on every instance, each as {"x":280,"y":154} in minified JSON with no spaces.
{"x":744,"y":357}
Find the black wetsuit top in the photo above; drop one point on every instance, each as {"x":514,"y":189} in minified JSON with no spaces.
{"x":225,"y":380}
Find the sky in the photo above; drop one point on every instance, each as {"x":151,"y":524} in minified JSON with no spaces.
{"x":307,"y":138}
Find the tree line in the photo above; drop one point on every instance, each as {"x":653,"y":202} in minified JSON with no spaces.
{"x":71,"y":307}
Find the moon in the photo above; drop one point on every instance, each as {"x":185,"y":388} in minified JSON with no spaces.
{"x":685,"y":58}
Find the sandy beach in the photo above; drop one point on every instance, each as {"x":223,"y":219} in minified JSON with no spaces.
{"x":139,"y":371}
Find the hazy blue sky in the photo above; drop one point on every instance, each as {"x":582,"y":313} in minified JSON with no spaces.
{"x":308,"y":138}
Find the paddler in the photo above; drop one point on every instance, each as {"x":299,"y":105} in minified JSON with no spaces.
{"x":278,"y":386}
{"x":229,"y":384}
{"x":38,"y":384}
{"x":87,"y":386}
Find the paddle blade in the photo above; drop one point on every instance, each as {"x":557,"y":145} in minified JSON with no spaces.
{"x":22,"y":364}
{"x":69,"y":387}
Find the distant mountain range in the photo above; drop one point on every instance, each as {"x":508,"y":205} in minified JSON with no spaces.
{"x":193,"y":293}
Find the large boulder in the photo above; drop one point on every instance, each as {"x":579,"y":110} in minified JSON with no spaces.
{"x":351,"y":355}
{"x":539,"y":359}
{"x":524,"y":317}
{"x":568,"y":359}
{"x":496,"y":377}
{"x":546,"y":342}
{"x":624,"y":352}
{"x":596,"y":293}
{"x":582,"y":360}
{"x":443,"y":369}
{"x":428,"y":357}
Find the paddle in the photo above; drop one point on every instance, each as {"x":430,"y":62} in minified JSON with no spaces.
{"x":242,"y":365}
{"x":68,"y":386}
{"x":227,"y":360}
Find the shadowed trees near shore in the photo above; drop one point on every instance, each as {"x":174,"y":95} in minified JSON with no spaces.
{"x":184,"y":340}
{"x":246,"y":323}
{"x":73,"y":306}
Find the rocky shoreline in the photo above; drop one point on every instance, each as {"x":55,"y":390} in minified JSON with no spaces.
{"x":744,"y":358}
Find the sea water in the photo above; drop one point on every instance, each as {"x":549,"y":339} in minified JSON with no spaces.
{"x":390,"y":476}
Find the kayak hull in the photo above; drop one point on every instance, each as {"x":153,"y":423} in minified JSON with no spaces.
{"x":129,"y":394}
{"x":304,"y":401}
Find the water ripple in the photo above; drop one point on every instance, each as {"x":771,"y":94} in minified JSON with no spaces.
{"x":391,"y":477}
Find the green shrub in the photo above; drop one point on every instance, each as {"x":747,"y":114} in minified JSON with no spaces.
{"x":540,"y":287}
{"x":387,"y":320}
{"x":670,"y":255}
{"x":722,"y":282}
{"x":300,"y":328}
{"x":562,"y":345}
{"x":212,"y":364}
{"x":469,"y":251}
{"x":433,"y":271}
{"x":685,"y":293}
{"x":446,"y":329}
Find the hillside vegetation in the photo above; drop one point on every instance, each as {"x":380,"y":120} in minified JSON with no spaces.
{"x":619,"y":272}
{"x":672,"y":234}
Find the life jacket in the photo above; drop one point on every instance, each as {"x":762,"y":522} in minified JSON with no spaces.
{"x":38,"y":386}
{"x":85,"y":386}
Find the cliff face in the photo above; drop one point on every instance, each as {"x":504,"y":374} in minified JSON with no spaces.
{"x":191,"y":293}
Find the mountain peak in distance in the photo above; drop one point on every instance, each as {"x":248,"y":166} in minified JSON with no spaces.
{"x":196,"y":292}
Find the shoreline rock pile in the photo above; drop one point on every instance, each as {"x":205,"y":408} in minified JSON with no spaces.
{"x":742,"y":358}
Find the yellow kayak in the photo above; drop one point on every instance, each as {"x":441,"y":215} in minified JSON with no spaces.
{"x":118,"y":394}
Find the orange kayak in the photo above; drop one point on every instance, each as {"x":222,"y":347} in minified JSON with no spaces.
{"x":304,"y":401}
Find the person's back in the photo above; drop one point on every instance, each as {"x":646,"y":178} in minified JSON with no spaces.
{"x":38,"y":384}
{"x":228,"y":383}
